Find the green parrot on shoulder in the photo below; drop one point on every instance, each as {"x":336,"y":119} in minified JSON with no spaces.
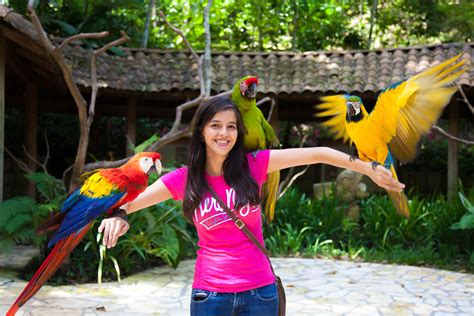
{"x":260,"y":135}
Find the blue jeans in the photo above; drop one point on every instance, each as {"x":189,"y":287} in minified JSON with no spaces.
{"x":262,"y":301}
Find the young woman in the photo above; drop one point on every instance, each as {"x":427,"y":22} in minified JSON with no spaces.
{"x":232,"y":276}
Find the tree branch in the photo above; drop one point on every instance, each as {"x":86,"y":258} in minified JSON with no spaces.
{"x":23,"y":166}
{"x":462,"y":141}
{"x":124,"y":38}
{"x":289,"y":179}
{"x":293,"y":179}
{"x":39,"y":28}
{"x":465,"y":99}
{"x":193,"y":52}
{"x":78,"y":37}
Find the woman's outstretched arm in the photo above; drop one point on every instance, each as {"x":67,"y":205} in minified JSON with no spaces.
{"x":286,"y":158}
{"x":114,"y":227}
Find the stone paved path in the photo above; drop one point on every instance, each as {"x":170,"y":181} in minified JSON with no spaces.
{"x":313,"y":286}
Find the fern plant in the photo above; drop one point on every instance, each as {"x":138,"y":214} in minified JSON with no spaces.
{"x":20,"y":215}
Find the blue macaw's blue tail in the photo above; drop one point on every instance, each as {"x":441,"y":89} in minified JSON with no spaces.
{"x":389,"y":161}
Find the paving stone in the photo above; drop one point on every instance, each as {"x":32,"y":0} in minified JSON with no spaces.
{"x":313,"y":286}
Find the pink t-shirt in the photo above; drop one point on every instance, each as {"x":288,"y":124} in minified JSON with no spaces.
{"x":227,"y":261}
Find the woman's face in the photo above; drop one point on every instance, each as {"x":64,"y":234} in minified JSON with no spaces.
{"x":220,"y":133}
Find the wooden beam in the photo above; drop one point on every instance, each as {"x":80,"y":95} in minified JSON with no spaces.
{"x":47,"y":65}
{"x":31,"y":130}
{"x":25,"y":41}
{"x":131,"y":123}
{"x":453,"y":152}
{"x":2,"y":110}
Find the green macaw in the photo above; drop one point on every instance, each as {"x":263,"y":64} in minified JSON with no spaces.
{"x":260,"y":135}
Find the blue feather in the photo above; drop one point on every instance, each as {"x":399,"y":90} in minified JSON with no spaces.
{"x":81,"y":210}
{"x":389,"y":161}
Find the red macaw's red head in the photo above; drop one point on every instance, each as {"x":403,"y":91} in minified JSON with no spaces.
{"x":145,"y":161}
{"x":249,"y":86}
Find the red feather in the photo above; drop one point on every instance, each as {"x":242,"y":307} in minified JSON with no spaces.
{"x":55,"y":258}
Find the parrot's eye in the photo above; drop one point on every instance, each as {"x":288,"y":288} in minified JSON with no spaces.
{"x":356,"y":105}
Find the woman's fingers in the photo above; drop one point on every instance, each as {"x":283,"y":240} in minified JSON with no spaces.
{"x":115,"y":235}
{"x":112,"y":229}
{"x":105,"y":236}
{"x":387,"y":181}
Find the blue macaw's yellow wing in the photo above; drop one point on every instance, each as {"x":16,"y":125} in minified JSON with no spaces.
{"x":334,"y":106}
{"x":407,"y":110}
{"x":94,"y":198}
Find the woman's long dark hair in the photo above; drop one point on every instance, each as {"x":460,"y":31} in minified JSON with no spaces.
{"x":236,"y":169}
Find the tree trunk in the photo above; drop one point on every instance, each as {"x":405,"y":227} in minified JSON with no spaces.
{"x":294,"y":39}
{"x":207,"y":53}
{"x":373,"y":14}
{"x":80,"y":156}
{"x":149,"y":14}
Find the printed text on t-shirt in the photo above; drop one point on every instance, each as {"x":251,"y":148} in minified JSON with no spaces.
{"x":210,"y":214}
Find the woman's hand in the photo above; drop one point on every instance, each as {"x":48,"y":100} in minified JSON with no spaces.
{"x":383,"y":178}
{"x":113,"y":228}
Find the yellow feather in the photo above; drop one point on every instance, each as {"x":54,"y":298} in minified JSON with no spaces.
{"x":97,"y":186}
{"x":271,"y":188}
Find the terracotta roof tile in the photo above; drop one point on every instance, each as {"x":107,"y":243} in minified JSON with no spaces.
{"x":278,"y":72}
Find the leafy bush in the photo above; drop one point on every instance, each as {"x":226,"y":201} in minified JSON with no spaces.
{"x":158,"y":234}
{"x":467,"y":221}
{"x":309,"y":227}
{"x":20,"y":215}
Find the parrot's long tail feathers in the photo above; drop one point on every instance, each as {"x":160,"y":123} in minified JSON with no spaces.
{"x":400,"y":202}
{"x":51,"y":224}
{"x":55,"y":258}
{"x":399,"y":199}
{"x":270,"y":190}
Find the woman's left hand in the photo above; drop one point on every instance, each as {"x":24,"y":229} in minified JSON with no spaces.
{"x":383,"y":178}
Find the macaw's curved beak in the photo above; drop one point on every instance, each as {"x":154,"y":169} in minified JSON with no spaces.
{"x":251,"y":91}
{"x":348,"y":114}
{"x":156,"y":167}
{"x":351,"y":111}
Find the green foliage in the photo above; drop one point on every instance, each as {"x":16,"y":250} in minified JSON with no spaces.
{"x":157,"y":235}
{"x":50,"y":188}
{"x":308,"y":227}
{"x":20,"y":215}
{"x":16,"y":220}
{"x":138,"y":149}
{"x":467,"y":221}
{"x":251,"y":25}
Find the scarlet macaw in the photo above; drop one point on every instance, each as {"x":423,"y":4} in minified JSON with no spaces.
{"x":260,"y":135}
{"x":402,"y":114}
{"x":103,"y":191}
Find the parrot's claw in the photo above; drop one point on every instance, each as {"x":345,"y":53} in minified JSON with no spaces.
{"x":375,"y":164}
{"x":353,"y":158}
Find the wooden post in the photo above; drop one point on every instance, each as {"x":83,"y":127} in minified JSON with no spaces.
{"x":2,"y":110}
{"x":131,"y":123}
{"x":31,"y":130}
{"x":453,"y":152}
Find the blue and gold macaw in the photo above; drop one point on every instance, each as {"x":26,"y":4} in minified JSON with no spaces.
{"x":402,"y":114}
